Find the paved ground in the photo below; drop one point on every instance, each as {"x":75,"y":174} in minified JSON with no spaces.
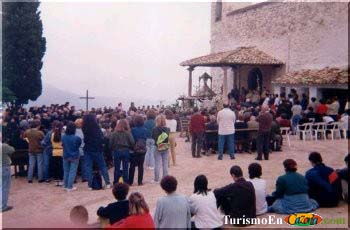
{"x":37,"y":205}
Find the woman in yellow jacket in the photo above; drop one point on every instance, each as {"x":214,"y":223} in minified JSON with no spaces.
{"x":57,"y":153}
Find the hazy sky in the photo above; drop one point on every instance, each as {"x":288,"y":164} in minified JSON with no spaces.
{"x":123,"y":49}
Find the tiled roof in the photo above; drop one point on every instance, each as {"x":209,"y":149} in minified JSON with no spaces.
{"x":241,"y":55}
{"x":326,"y":76}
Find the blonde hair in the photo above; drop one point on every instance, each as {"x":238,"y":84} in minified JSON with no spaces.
{"x":160,"y":121}
{"x":137,"y":204}
{"x":123,"y":125}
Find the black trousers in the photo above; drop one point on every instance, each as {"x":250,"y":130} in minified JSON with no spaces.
{"x":136,"y":160}
{"x":197,"y":143}
{"x":56,"y":165}
{"x":263,"y":142}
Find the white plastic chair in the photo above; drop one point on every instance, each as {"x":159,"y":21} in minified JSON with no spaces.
{"x":343,"y":129}
{"x":285,"y":132}
{"x":335,"y":129}
{"x":305,"y":130}
{"x":320,"y":128}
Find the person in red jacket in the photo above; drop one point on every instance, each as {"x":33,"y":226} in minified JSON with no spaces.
{"x":139,"y":214}
{"x":197,"y":128}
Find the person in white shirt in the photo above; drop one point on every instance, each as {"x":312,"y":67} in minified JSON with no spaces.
{"x":226,"y":121}
{"x":171,"y":123}
{"x":255,"y":171}
{"x":203,"y":206}
{"x":296,"y":110}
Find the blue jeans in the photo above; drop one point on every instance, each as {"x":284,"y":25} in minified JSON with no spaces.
{"x":69,"y":172}
{"x":231,"y":146}
{"x":83,"y":168}
{"x":96,"y":157}
{"x":295,"y":122}
{"x":149,"y":158}
{"x":46,"y":163}
{"x":161,"y":158}
{"x":121,"y":157}
{"x":35,"y":158}
{"x":5,"y":185}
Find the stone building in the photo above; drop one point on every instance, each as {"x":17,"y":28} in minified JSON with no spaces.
{"x":278,"y":45}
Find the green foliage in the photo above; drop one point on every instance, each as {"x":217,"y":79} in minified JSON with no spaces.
{"x":23,"y":49}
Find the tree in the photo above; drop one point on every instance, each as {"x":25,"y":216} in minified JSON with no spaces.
{"x":23,"y":48}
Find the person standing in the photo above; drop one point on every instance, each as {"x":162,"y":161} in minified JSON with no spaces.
{"x":71,"y":144}
{"x":197,"y":129}
{"x":79,"y":132}
{"x":93,"y":141}
{"x":47,"y":155}
{"x":160,"y":134}
{"x":150,"y":144}
{"x":226,"y":121}
{"x":34,"y":136}
{"x":139,"y":133}
{"x":263,"y":140}
{"x":296,"y":110}
{"x":171,"y":123}
{"x":57,"y":154}
{"x":6,"y":151}
{"x":121,"y":142}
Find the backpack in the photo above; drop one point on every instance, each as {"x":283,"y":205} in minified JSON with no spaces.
{"x":96,"y":181}
{"x":140,"y":146}
{"x":163,"y":141}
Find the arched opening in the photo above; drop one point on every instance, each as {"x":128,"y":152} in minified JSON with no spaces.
{"x":255,"y":79}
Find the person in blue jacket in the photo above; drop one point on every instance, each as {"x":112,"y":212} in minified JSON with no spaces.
{"x":71,"y":144}
{"x":324,"y":183}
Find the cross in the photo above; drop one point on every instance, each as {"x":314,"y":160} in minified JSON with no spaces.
{"x":87,"y":99}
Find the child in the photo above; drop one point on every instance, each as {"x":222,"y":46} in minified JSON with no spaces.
{"x":117,"y":210}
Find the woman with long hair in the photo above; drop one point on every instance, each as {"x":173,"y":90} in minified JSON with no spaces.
{"x":171,"y":123}
{"x":93,"y":148}
{"x":120,"y":143}
{"x":139,"y":214}
{"x":203,"y":205}
{"x":57,"y":153}
{"x":160,"y":134}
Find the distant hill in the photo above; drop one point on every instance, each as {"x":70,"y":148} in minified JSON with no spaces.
{"x":53,"y":95}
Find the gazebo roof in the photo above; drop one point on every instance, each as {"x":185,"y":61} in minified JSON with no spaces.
{"x":238,"y":56}
{"x":326,"y":76}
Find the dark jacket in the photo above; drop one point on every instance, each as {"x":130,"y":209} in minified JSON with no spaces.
{"x":149,"y":125}
{"x":139,"y":133}
{"x":237,"y":199}
{"x":115,"y":211}
{"x":290,"y":183}
{"x":121,"y":140}
{"x":71,"y":144}
{"x":157,"y":131}
{"x":321,"y":189}
{"x":93,"y":143}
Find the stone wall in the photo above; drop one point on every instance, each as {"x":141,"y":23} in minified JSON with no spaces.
{"x":303,"y":35}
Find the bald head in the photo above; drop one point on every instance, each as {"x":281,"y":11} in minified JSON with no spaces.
{"x":264,"y":108}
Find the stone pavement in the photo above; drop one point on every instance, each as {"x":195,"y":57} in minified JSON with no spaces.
{"x":39,"y":205}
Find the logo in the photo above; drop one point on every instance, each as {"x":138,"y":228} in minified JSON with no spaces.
{"x":303,"y":219}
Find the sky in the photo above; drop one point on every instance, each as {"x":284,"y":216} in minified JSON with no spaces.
{"x":128,"y":50}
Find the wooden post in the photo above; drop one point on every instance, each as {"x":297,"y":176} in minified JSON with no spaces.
{"x":190,"y":69}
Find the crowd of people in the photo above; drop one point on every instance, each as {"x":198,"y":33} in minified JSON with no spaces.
{"x":205,"y":208}
{"x":63,"y":142}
